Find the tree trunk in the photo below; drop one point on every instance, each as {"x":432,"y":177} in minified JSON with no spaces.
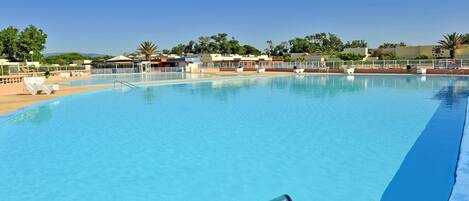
{"x":452,"y":54}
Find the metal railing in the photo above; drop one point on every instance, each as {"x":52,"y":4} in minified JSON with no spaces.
{"x":119,"y":70}
{"x":125,"y":83}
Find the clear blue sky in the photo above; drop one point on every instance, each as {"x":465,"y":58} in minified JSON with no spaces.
{"x":114,"y":27}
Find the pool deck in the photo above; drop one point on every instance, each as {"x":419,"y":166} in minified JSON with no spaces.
{"x":11,"y":103}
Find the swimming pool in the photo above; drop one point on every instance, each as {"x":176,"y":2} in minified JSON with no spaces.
{"x":314,"y":137}
{"x":137,"y":78}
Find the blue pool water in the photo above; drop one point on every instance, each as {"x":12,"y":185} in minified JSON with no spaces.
{"x":136,"y":78}
{"x":318,"y":137}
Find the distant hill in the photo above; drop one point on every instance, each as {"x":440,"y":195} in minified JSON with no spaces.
{"x":83,"y":54}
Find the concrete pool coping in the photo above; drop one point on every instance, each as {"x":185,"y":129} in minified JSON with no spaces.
{"x":460,"y":189}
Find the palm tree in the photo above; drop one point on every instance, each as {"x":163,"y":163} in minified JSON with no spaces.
{"x":147,"y":48}
{"x":452,"y":42}
{"x":466,"y":38}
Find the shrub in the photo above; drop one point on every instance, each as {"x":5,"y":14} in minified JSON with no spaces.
{"x":350,"y":56}
{"x":422,"y":57}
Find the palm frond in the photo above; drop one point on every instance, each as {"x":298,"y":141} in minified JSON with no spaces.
{"x":147,"y":48}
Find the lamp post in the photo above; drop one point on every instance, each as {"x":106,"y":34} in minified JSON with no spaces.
{"x":31,"y":53}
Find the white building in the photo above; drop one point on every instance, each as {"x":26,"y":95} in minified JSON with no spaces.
{"x":219,"y":58}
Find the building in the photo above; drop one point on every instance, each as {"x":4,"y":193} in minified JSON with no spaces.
{"x":429,"y":51}
{"x":306,"y":57}
{"x":86,"y":63}
{"x":123,"y":64}
{"x":214,"y":58}
{"x":7,"y":67}
{"x":233,"y":60}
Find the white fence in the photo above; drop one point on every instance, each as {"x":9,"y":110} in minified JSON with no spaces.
{"x":376,"y":64}
{"x":133,"y":70}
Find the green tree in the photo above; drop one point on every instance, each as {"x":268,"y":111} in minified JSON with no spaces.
{"x":287,"y":57}
{"x":232,"y":47}
{"x":179,"y":49}
{"x":9,"y":41}
{"x":301,"y":45}
{"x":166,"y":51}
{"x":251,"y":50}
{"x":281,"y":49}
{"x":190,"y":47}
{"x":147,"y":48}
{"x":356,"y":44}
{"x":202,"y":46}
{"x":270,"y":47}
{"x":383,"y":55}
{"x":65,"y":59}
{"x":393,"y":45}
{"x":1,"y":48}
{"x":31,"y":39}
{"x":452,"y":42}
{"x":328,"y":43}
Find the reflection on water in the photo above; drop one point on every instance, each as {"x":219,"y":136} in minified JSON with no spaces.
{"x":149,"y":95}
{"x":317,"y":86}
{"x":312,"y":86}
{"x":35,"y":115}
{"x":221,"y":90}
{"x":136,"y":78}
{"x":454,"y":92}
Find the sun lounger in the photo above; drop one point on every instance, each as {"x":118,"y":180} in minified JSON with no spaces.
{"x":35,"y":85}
{"x":349,"y":71}
{"x":260,"y":70}
{"x":299,"y":70}
{"x":422,"y":71}
{"x":323,"y":69}
{"x":239,"y":70}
